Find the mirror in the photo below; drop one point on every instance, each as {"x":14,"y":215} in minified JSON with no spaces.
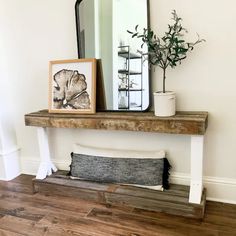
{"x":123,"y":79}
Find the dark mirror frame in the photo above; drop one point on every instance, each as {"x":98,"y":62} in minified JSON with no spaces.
{"x":78,"y":27}
{"x":79,"y":48}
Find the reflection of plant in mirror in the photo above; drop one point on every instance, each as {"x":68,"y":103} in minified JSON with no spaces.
{"x":123,"y":83}
{"x":168,"y":50}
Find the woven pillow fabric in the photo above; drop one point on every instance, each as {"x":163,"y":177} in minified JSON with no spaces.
{"x":144,"y":169}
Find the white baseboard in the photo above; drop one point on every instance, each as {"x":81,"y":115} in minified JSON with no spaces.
{"x":30,"y":166}
{"x":218,"y":189}
{"x":10,"y":164}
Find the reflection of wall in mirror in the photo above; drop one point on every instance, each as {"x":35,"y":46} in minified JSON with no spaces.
{"x":87,"y":27}
{"x":126,"y":15}
{"x":105,"y":19}
{"x":96,"y":38}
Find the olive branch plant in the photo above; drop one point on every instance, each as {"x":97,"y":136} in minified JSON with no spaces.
{"x":166,"y":51}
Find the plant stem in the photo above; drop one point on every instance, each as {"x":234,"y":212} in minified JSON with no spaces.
{"x":164,"y":80}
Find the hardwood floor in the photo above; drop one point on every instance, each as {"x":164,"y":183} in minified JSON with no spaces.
{"x":25,"y":213}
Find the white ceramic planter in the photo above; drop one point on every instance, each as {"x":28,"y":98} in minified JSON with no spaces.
{"x":164,"y":103}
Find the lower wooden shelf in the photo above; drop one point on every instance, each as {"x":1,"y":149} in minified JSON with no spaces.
{"x":173,"y":201}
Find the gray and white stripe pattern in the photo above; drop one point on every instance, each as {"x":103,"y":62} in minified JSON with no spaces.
{"x":138,"y":171}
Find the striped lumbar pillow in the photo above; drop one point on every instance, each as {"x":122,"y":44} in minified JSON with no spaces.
{"x":143,"y":169}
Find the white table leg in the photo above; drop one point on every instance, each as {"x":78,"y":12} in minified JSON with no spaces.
{"x":196,"y":184}
{"x":46,"y":166}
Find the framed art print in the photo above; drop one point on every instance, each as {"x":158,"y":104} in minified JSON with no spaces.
{"x":72,"y":86}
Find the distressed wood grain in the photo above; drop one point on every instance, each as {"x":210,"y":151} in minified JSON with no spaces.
{"x":191,"y":123}
{"x":8,"y":233}
{"x":149,"y":226}
{"x":173,"y":201}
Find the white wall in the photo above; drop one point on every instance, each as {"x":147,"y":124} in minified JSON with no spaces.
{"x":206,"y":80}
{"x":35,"y":32}
{"x":32,"y":33}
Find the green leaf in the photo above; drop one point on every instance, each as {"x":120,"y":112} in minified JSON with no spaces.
{"x":168,"y":50}
{"x":150,"y":34}
{"x":183,"y":50}
{"x":183,"y":58}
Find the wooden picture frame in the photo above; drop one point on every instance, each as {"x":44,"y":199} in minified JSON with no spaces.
{"x":72,"y":86}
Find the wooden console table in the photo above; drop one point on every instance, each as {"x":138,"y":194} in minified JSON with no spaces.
{"x":185,"y":123}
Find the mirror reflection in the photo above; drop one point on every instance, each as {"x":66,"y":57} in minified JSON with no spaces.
{"x":102,"y":33}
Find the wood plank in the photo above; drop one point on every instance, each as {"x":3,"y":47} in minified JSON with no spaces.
{"x":46,"y":203}
{"x":221,"y":215}
{"x":221,"y":221}
{"x":53,"y":179}
{"x":17,"y":226}
{"x":192,"y":123}
{"x":23,"y":180}
{"x":170,"y":207}
{"x":88,"y":226}
{"x":36,"y":207}
{"x":170,"y":201}
{"x":7,"y":208}
{"x":8,"y":233}
{"x":22,"y":226}
{"x":169,"y":195}
{"x":67,"y":191}
{"x":16,"y":187}
{"x":149,"y":226}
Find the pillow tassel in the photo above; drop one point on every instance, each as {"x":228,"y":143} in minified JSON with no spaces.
{"x":165,"y":176}
{"x":69,"y":173}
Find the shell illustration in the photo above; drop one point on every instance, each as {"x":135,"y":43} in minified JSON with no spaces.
{"x":69,"y":90}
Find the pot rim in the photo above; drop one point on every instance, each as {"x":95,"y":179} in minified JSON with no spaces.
{"x":167,"y":93}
